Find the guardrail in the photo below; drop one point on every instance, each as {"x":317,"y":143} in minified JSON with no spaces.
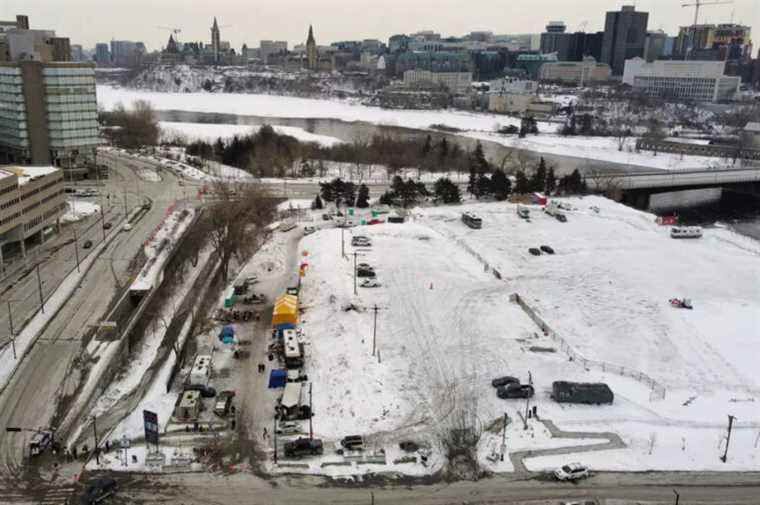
{"x":677,"y":178}
{"x":657,"y":390}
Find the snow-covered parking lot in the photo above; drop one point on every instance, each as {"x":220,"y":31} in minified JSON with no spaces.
{"x":446,"y":327}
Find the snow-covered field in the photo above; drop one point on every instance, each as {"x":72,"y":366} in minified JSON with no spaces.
{"x":212,"y":131}
{"x":476,"y":125}
{"x":446,"y":327}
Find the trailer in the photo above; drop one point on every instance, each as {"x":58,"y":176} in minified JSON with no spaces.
{"x":582,"y":392}
{"x":293,"y":349}
{"x":201,"y":371}
{"x":472,"y":220}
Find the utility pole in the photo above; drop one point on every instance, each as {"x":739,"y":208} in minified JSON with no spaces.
{"x":504,"y":436}
{"x":125,"y":202}
{"x":39,"y":286}
{"x":356,"y":254}
{"x":527,"y":411}
{"x":10,"y":323}
{"x":728,"y":438}
{"x":311,"y":414}
{"x":342,"y":243}
{"x":103,"y":222}
{"x":274,"y":440}
{"x":374,"y":331}
{"x":95,"y":432}
{"x":76,"y":245}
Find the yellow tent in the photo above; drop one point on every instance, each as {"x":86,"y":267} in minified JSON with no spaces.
{"x":285,"y":310}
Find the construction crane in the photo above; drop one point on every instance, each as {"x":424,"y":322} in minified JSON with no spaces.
{"x":175,"y":31}
{"x":697,"y":5}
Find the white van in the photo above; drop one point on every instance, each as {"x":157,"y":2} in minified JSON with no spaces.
{"x":686,"y":232}
{"x":201,"y":371}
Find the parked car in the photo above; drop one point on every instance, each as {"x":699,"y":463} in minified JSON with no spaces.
{"x":87,"y":244}
{"x":206,"y":391}
{"x":308,"y":230}
{"x":326,"y":217}
{"x":572,"y":471}
{"x":561,"y":218}
{"x":369,"y":283}
{"x":98,"y":490}
{"x":303,"y":447}
{"x":535,"y":251}
{"x":353,"y":442}
{"x":547,"y":249}
{"x":127,"y":227}
{"x":254,"y":298}
{"x":503,"y":381}
{"x":223,"y":403}
{"x":362,"y":266}
{"x":361,"y":242}
{"x":288,"y":428}
{"x":365,"y":272}
{"x":107,"y":226}
{"x":515,"y":391}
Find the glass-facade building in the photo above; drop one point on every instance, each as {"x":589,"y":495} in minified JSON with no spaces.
{"x":48,"y":114}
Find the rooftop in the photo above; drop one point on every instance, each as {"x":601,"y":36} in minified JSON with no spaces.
{"x":26,"y":173}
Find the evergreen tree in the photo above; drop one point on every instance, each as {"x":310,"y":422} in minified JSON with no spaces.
{"x":484,"y":186}
{"x":387,"y":198}
{"x":586,"y":125}
{"x":317,"y":204}
{"x":362,"y":200}
{"x":348,"y":191}
{"x":551,"y":181}
{"x":472,"y":184}
{"x":538,"y":180}
{"x":522,"y":185}
{"x":501,"y":186}
{"x":446,"y":191}
{"x":427,"y":146}
{"x":327,"y":190}
{"x":443,"y":149}
{"x":408,"y":194}
{"x":479,"y":161}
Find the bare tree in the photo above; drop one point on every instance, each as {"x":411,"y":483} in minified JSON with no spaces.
{"x":604,"y":181}
{"x":235,"y":222}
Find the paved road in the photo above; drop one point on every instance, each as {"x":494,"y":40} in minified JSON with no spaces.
{"x":32,"y":395}
{"x":696,"y":488}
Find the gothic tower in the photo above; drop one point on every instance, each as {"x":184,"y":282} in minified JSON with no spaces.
{"x":311,"y":51}
{"x":215,"y":40}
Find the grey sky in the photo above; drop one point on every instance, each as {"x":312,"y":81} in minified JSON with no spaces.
{"x":91,"y":21}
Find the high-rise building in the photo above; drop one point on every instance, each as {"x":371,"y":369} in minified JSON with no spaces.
{"x":732,"y":41}
{"x":654,"y":45}
{"x":216,"y":41}
{"x":312,"y":57}
{"x":102,"y":53}
{"x":555,"y":40}
{"x":624,"y":37}
{"x":48,"y":114}
{"x":77,"y":52}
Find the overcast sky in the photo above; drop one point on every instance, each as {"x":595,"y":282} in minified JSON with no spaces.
{"x":89,"y":21}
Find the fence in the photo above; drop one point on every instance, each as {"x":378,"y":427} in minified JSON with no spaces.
{"x":657,"y":390}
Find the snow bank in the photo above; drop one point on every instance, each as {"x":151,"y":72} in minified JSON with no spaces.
{"x":78,"y":209}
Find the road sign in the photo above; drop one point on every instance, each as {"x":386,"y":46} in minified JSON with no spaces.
{"x":150,"y":420}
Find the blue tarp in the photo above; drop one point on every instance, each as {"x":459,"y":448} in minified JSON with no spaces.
{"x":228,"y":334}
{"x":278,"y":378}
{"x":284,"y":326}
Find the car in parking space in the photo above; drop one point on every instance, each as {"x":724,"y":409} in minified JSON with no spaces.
{"x":288,"y":428}
{"x":127,"y":227}
{"x":303,"y":447}
{"x":535,"y":251}
{"x":503,"y":381}
{"x":205,"y":391}
{"x":107,"y":226}
{"x":515,"y":391}
{"x":87,"y":244}
{"x":361,"y":241}
{"x":547,"y":249}
{"x":352,"y":442}
{"x":326,"y":217}
{"x":364,"y":266}
{"x":571,"y":471}
{"x":561,"y":218}
{"x":98,"y":490}
{"x":223,"y":403}
{"x":369,"y":283}
{"x":308,"y":230}
{"x":365,"y":272}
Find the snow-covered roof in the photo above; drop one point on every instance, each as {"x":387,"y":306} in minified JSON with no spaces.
{"x":753,"y":127}
{"x":26,"y":173}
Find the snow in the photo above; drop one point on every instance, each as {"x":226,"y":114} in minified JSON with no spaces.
{"x":160,"y":245}
{"x":476,"y":125}
{"x":212,"y":131}
{"x":446,"y":327}
{"x":79,"y":209}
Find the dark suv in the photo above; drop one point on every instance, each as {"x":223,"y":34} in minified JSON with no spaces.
{"x":515,"y":391}
{"x":352,"y":442}
{"x":303,"y":447}
{"x":503,"y":381}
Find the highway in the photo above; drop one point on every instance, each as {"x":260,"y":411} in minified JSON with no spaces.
{"x":48,"y":374}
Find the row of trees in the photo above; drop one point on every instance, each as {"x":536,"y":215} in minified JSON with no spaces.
{"x":342,"y":192}
{"x":133,"y":128}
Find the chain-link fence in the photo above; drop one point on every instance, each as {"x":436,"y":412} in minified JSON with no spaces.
{"x":657,"y":389}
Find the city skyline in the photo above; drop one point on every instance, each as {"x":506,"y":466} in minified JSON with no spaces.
{"x":240,"y":24}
